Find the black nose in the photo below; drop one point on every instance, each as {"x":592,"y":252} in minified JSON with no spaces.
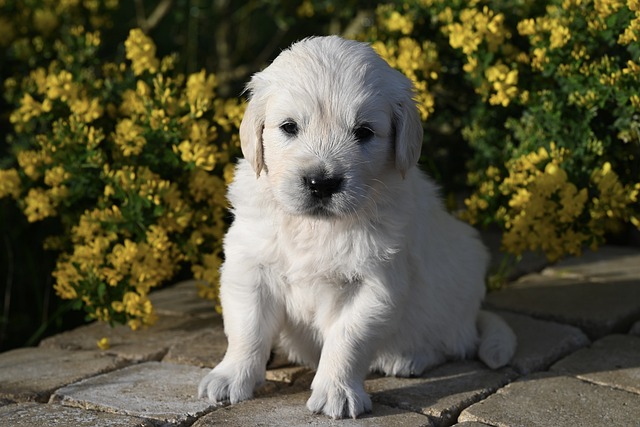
{"x":322,"y":186}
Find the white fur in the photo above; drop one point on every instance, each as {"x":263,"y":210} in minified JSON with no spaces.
{"x":376,"y":276}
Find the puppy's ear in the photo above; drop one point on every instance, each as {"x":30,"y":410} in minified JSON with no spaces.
{"x":408,"y":133}
{"x":251,"y":130}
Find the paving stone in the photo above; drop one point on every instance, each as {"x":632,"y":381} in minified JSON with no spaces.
{"x":287,"y":374}
{"x":204,"y":349}
{"x":32,"y":374}
{"x":541,"y":342}
{"x":442,"y":392}
{"x":181,"y":299}
{"x":165,"y":392}
{"x":151,"y":343}
{"x":609,"y":263}
{"x":547,"y":400}
{"x":613,"y":361}
{"x":470,"y":424}
{"x":598,"y":308}
{"x":34,"y":414}
{"x":290,"y":410}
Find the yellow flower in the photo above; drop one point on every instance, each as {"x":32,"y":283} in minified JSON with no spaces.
{"x":527,"y":27}
{"x":103,"y":343}
{"x":560,"y":35}
{"x":200,"y":92}
{"x":158,"y":120}
{"x":66,"y":276}
{"x":539,"y":59}
{"x":123,"y":255}
{"x":61,"y":86}
{"x":9,"y":183}
{"x":197,"y":151}
{"x":132,"y":103}
{"x":140,"y":309}
{"x":28,"y":109}
{"x":158,"y":239}
{"x":141,"y":50}
{"x":56,"y":176}
{"x":128,"y":137}
{"x":398,"y":22}
{"x":206,"y":187}
{"x":86,"y":110}
{"x":632,"y":32}
{"x":606,"y":8}
{"x":504,"y":84}
{"x":475,"y":27}
{"x":38,"y":205}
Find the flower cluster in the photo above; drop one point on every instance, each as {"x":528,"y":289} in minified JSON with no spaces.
{"x":128,"y":159}
{"x":555,"y":123}
{"x":417,"y":60}
{"x":543,"y":206}
{"x":131,"y":159}
{"x":576,"y":98}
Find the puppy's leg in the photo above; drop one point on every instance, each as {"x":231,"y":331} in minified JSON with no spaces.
{"x":251,"y":321}
{"x":349,"y":344}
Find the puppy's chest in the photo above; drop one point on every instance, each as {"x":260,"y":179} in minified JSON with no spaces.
{"x":322,"y":252}
{"x":315,"y":297}
{"x":318,"y":268}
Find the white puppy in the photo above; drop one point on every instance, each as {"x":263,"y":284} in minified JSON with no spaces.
{"x":341,"y":255}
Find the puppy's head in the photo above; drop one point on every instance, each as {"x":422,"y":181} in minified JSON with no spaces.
{"x":326,"y":122}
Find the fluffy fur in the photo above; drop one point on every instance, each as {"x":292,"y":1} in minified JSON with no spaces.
{"x":341,"y":255}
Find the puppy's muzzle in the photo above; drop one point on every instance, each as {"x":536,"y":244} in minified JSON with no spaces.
{"x":321,"y":186}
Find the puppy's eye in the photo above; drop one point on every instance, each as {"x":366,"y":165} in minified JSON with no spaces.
{"x":289,"y":127}
{"x":362,"y":134}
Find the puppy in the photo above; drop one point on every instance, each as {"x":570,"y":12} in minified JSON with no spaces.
{"x":341,"y":254}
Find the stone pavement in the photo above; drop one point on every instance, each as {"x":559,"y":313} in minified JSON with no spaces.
{"x":577,"y":364}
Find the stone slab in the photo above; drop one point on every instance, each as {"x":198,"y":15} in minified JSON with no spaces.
{"x":541,"y":342}
{"x":548,"y":400}
{"x":287,"y":374}
{"x":181,"y":299}
{"x":204,"y":349}
{"x":598,"y":308}
{"x":442,"y":392}
{"x":289,"y":410}
{"x":164,"y":392}
{"x":32,"y":374}
{"x":34,"y":414}
{"x":143,"y":345}
{"x":612,"y":361}
{"x":470,"y":424}
{"x":609,"y":263}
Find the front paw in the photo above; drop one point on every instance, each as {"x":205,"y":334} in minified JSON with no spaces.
{"x":338,"y":400}
{"x":228,"y":383}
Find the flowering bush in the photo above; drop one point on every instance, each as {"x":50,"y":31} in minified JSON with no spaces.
{"x":131,"y":159}
{"x":128,"y":159}
{"x":547,"y":96}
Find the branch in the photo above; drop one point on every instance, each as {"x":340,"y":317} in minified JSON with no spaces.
{"x":158,"y":13}
{"x":148,"y":24}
